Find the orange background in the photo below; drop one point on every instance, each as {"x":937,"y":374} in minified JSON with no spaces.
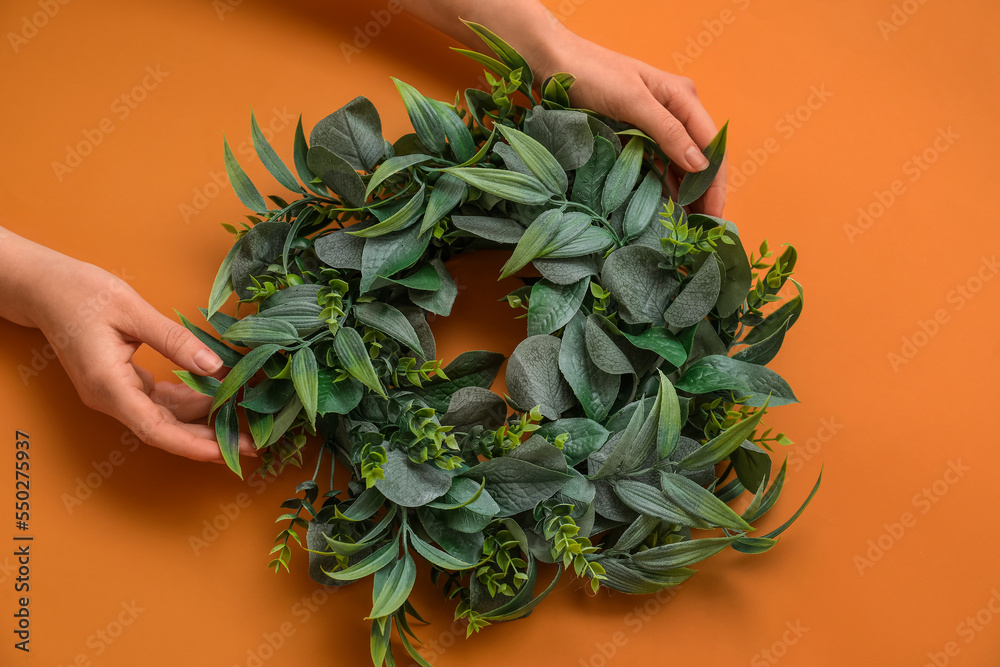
{"x":886,"y":432}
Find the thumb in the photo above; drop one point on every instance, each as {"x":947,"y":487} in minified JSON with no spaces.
{"x":173,"y":341}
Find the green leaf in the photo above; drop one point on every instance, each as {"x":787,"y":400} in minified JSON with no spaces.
{"x":602,"y":350}
{"x":736,"y":269}
{"x":504,"y":51}
{"x":722,"y":445}
{"x":623,"y":176}
{"x":681,"y":554}
{"x":564,"y":134}
{"x":397,"y":587}
{"x":337,"y":397}
{"x":353,"y":356}
{"x":595,"y":389}
{"x":424,"y":119}
{"x":700,"y":502}
{"x":517,"y":485}
{"x":763,"y":352}
{"x":268,"y":396}
{"x":638,"y":442}
{"x":229,"y":356}
{"x":242,"y":372}
{"x":500,"y":230}
{"x":469,"y":369}
{"x":305,"y":377}
{"x":388,"y":254}
{"x":565,"y":271}
{"x":780,"y":529}
{"x":534,"y":240}
{"x":589,"y":182}
{"x":650,"y":501}
{"x":642,"y":207}
{"x":463,"y":146}
{"x":752,"y":465}
{"x":244,"y":189}
{"x":533,"y":377}
{"x":641,"y":288}
{"x":586,"y":436}
{"x":698,"y":296}
{"x":425,"y":278}
{"x":261,"y":426}
{"x":270,"y":159}
{"x":475,"y":406}
{"x":662,"y":342}
{"x":754,"y":545}
{"x":284,"y":420}
{"x":227,"y":432}
{"x":590,"y":240}
{"x":201,"y":384}
{"x":507,"y":185}
{"x":353,"y":132}
{"x":668,"y":431}
{"x":367,"y":566}
{"x":539,"y":161}
{"x":337,"y":173}
{"x":486,"y":61}
{"x":438,"y":558}
{"x":784,"y":317}
{"x":441,"y":300}
{"x":222,"y":286}
{"x":411,"y":484}
{"x":767,"y":500}
{"x":695,"y":184}
{"x":389,"y":321}
{"x":401,"y":219}
{"x":621,"y":577}
{"x":551,"y":306}
{"x":301,"y":165}
{"x":718,"y":372}
{"x":447,"y":194}
{"x":391,"y":167}
{"x":253,"y":331}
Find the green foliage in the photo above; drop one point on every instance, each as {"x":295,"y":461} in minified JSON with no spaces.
{"x":634,"y":404}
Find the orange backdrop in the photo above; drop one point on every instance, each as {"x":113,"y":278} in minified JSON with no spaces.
{"x":860,"y":131}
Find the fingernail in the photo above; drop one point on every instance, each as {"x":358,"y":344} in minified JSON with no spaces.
{"x":207,"y":361}
{"x":695,"y":158}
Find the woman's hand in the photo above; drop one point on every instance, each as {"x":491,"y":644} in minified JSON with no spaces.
{"x":95,"y":322}
{"x":663,"y":105}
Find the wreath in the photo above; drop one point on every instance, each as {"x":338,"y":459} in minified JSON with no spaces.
{"x":633,"y":410}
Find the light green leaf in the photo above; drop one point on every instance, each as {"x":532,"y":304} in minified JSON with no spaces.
{"x":270,"y":159}
{"x":241,"y":183}
{"x":534,"y":240}
{"x":305,"y":377}
{"x":507,"y":185}
{"x":642,"y":208}
{"x":695,"y":184}
{"x":681,"y":554}
{"x":662,"y":342}
{"x":700,"y":502}
{"x":424,"y":119}
{"x":353,"y":356}
{"x":447,"y":194}
{"x":389,"y":321}
{"x":401,"y":219}
{"x":718,"y":372}
{"x":623,"y":175}
{"x":668,"y":431}
{"x":539,"y":161}
{"x":463,"y":146}
{"x":253,"y":330}
{"x":391,"y":167}
{"x":722,"y":445}
{"x":500,"y":230}
{"x":397,"y":587}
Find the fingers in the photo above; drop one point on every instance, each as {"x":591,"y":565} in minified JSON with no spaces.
{"x":667,"y":131}
{"x":185,"y":403}
{"x":171,"y":340}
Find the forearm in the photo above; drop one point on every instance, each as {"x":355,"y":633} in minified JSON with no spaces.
{"x":22,"y":267}
{"x":524,"y":24}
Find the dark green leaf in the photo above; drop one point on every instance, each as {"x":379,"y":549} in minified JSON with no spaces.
{"x":244,"y":189}
{"x":353,"y":356}
{"x":448,"y":193}
{"x":695,"y":184}
{"x":551,"y":306}
{"x":270,"y":159}
{"x":641,"y":288}
{"x":538,"y":159}
{"x":411,"y":484}
{"x":354,"y":132}
{"x":642,"y":207}
{"x":242,"y":372}
{"x":595,"y":389}
{"x":337,"y":173}
{"x":719,"y":373}
{"x":662,"y":342}
{"x":305,"y":377}
{"x":722,"y":445}
{"x":534,"y":240}
{"x":389,"y":321}
{"x":589,"y":182}
{"x":227,"y":432}
{"x":533,"y":377}
{"x":440,"y":300}
{"x":565,"y":134}
{"x":500,"y":230}
{"x":424,"y":119}
{"x":697,"y":298}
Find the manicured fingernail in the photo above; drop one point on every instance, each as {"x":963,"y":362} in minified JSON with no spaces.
{"x":695,"y":158}
{"x":207,"y":361}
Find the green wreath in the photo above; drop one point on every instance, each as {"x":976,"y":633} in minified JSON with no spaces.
{"x":622,"y":401}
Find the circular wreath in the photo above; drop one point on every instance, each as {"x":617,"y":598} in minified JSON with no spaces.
{"x":627,"y":423}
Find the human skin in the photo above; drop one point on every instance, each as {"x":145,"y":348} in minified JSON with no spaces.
{"x":663,"y":105}
{"x":95,"y":338}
